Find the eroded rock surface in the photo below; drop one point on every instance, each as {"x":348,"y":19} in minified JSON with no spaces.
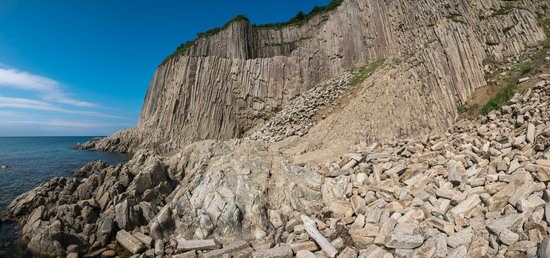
{"x":228,"y":83}
{"x":478,"y":190}
{"x":238,"y":143}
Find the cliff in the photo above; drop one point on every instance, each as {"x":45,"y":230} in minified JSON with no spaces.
{"x":224,"y":84}
{"x":248,"y":129}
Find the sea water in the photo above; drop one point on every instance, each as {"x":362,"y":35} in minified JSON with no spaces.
{"x":26,"y":162}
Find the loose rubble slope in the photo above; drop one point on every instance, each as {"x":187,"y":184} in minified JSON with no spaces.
{"x":290,"y":185}
{"x":478,"y":190}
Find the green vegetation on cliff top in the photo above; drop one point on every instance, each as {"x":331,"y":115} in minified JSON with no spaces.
{"x":299,"y":19}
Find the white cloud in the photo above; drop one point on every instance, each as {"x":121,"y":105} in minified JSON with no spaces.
{"x":10,"y":113}
{"x":41,"y":105}
{"x":25,"y":103}
{"x":50,"y":89}
{"x":60,"y":123}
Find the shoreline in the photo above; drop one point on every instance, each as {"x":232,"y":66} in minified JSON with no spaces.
{"x":11,"y":236}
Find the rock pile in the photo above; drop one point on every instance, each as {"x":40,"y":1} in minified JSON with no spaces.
{"x":296,"y":117}
{"x":479,"y":190}
{"x":67,"y":215}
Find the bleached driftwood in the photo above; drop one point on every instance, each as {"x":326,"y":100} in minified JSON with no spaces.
{"x":314,"y":233}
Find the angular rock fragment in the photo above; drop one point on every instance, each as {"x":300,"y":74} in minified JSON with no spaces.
{"x":129,"y":242}
{"x":374,"y":251}
{"x":146,"y":240}
{"x":190,"y":254}
{"x":159,"y":247}
{"x":207,"y":244}
{"x":231,"y":248}
{"x":455,"y":172}
{"x":404,"y":241}
{"x":276,"y":252}
{"x":530,"y":133}
{"x":508,"y":237}
{"x":522,"y":192}
{"x":462,"y":237}
{"x":466,"y":206}
{"x":507,"y":222}
{"x":348,"y":252}
{"x":305,"y":254}
{"x":530,"y":204}
{"x":308,"y":246}
{"x":544,"y":248}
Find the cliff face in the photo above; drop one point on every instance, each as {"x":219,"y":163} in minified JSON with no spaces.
{"x":370,"y":70}
{"x":231,"y":81}
{"x":227,"y":83}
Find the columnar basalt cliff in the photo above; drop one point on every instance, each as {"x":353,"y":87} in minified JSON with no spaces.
{"x":224,"y":84}
{"x":245,"y":136}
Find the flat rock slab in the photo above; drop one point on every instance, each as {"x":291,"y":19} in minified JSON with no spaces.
{"x":510,"y":221}
{"x":305,"y":254}
{"x":307,"y":246}
{"x":233,"y":247}
{"x":463,"y":237}
{"x":129,"y":242}
{"x":277,"y":252}
{"x":466,"y":206}
{"x":186,"y":245}
{"x":190,"y":254}
{"x":404,"y":241}
{"x":148,"y":241}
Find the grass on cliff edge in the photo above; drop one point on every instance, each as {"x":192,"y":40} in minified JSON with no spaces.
{"x":522,"y":69}
{"x":362,"y":73}
{"x":500,"y":99}
{"x":504,"y":94}
{"x":299,"y":19}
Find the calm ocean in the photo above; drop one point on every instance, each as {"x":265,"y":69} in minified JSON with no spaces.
{"x":33,"y":160}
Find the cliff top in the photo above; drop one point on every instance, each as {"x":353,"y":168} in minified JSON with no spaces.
{"x":299,"y":19}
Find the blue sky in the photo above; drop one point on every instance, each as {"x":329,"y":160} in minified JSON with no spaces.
{"x":82,"y":67}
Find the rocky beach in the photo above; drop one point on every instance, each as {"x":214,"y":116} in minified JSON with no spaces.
{"x":371,"y":129}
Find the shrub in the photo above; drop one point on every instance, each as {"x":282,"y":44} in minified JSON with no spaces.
{"x":526,"y":67}
{"x":302,"y":18}
{"x":463,"y":109}
{"x":502,"y":96}
{"x":504,"y":10}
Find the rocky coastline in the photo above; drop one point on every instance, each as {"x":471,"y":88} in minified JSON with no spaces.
{"x":478,"y":190}
{"x":359,"y":152}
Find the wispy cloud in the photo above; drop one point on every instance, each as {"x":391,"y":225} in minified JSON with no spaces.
{"x":59,"y":123}
{"x":11,"y":114}
{"x":42,"y":105}
{"x":50,"y":90}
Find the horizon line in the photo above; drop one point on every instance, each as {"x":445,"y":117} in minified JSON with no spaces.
{"x":41,"y":136}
